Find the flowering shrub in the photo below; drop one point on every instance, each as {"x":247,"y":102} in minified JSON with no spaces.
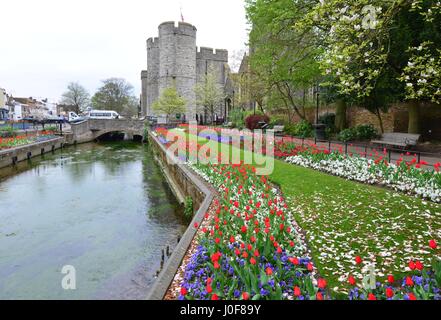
{"x":252,"y":122}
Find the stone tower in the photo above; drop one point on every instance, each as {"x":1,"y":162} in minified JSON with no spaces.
{"x":174,"y":60}
{"x":152,"y":77}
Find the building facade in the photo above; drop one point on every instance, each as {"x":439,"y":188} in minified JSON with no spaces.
{"x":3,"y":108}
{"x":173,"y":59}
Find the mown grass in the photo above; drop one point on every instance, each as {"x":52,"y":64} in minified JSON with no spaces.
{"x":343,"y":219}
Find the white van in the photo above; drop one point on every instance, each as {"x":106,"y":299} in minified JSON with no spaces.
{"x":103,"y":114}
{"x":73,"y":116}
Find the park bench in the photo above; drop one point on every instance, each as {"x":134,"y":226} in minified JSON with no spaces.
{"x":397,"y":139}
{"x":278,"y":130}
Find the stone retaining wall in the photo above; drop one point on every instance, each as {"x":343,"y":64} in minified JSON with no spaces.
{"x":185,"y":183}
{"x":11,"y":156}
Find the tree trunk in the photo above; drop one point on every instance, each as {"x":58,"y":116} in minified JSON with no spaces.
{"x":380,"y":120}
{"x":340,"y":115}
{"x":414,"y":117}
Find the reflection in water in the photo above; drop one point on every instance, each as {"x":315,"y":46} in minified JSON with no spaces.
{"x":103,"y":208}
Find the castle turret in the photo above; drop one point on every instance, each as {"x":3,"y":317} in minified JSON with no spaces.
{"x":152,"y":77}
{"x":177,"y":61}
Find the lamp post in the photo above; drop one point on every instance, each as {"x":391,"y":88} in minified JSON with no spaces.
{"x":317,"y":94}
{"x":319,"y":128}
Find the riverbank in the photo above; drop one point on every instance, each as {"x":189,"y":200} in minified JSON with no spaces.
{"x":188,"y":184}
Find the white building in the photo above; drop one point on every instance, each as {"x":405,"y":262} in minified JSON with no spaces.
{"x":3,"y":108}
{"x":16,"y":111}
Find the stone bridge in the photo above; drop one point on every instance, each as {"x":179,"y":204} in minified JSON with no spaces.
{"x":92,"y":129}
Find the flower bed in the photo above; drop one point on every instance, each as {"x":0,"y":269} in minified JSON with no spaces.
{"x":17,"y":141}
{"x":252,"y":248}
{"x":403,"y":176}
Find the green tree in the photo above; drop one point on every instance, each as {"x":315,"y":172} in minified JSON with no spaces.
{"x":380,"y":52}
{"x":76,"y":95}
{"x":283,"y":57}
{"x":116,"y":94}
{"x":210,"y":94}
{"x":169,"y":103}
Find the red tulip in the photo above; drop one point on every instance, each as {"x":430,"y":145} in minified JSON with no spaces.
{"x":419,"y":265}
{"x":209,"y":289}
{"x":411,"y":296}
{"x":433,"y":244}
{"x":321,"y":283}
{"x":310,"y":266}
{"x":196,"y":225}
{"x":412,"y":265}
{"x":253,"y":261}
{"x":409,"y":281}
{"x":232,"y":240}
{"x":216,"y":265}
{"x":391,"y":279}
{"x":319,"y":296}
{"x":351,"y":281}
{"x":183,"y":291}
{"x":243,"y":229}
{"x":389,"y":293}
{"x":358,"y":260}
{"x":245,"y":296}
{"x":214,"y":297}
{"x":269,"y":271}
{"x":297,"y":291}
{"x":372,"y":297}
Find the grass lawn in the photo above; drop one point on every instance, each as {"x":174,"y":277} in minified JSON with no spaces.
{"x":343,"y":219}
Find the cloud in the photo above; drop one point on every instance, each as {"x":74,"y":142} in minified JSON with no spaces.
{"x":48,"y":43}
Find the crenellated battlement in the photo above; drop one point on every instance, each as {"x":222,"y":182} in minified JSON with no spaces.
{"x":181,"y":28}
{"x":205,"y":53}
{"x":152,"y":43}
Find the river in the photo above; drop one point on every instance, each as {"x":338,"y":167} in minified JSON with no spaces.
{"x":104,"y":209}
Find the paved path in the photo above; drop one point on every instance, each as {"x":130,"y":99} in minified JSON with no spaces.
{"x":369,"y":151}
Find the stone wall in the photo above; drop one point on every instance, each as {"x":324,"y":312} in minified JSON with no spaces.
{"x":209,"y":60}
{"x":11,"y":156}
{"x":185,"y":183}
{"x":396,"y":120}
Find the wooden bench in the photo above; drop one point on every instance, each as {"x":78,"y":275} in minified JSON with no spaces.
{"x":402,"y":140}
{"x":278,"y":130}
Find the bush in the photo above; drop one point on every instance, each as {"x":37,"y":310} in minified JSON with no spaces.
{"x":252,"y":122}
{"x":277,"y":121}
{"x":362,"y":132}
{"x":347,"y":135}
{"x":188,"y":209}
{"x":301,"y":129}
{"x":366,"y":132}
{"x":237,"y":117}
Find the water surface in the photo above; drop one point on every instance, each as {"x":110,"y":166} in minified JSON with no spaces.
{"x":103,"y":208}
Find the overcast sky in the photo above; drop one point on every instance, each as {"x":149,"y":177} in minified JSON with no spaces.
{"x":45,"y":44}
